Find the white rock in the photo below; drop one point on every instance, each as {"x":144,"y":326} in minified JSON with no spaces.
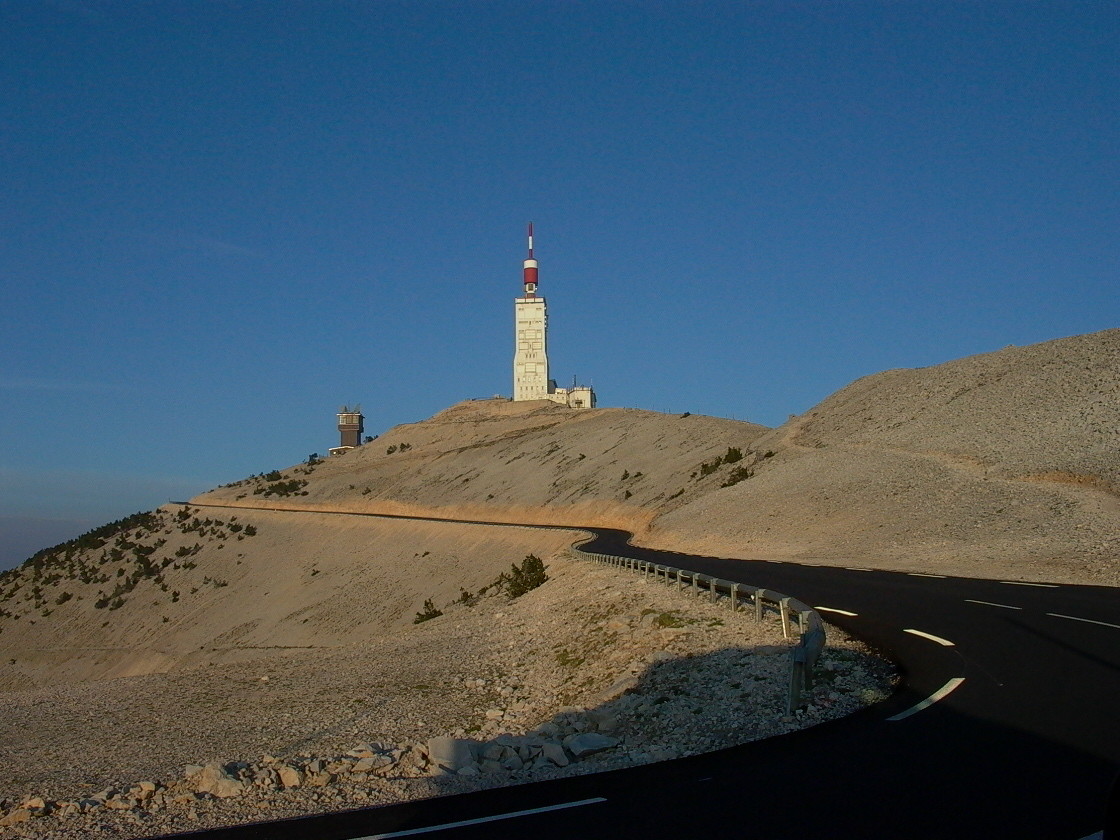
{"x":588,"y":743}
{"x":450,"y":754}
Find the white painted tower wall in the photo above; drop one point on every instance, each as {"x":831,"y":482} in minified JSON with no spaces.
{"x":530,"y":359}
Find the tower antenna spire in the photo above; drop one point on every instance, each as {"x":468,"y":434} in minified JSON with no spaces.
{"x":529,"y":274}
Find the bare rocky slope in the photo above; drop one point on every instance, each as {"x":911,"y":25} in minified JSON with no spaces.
{"x":514,"y":462}
{"x":593,"y":670}
{"x":1005,"y":464}
{"x":1001,"y":465}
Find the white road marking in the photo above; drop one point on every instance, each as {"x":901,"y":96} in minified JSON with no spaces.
{"x":857,"y":569}
{"x":511,"y":815}
{"x":992,"y":604}
{"x":775,"y":561}
{"x":940,"y":694}
{"x":929,"y":636}
{"x":834,"y":610}
{"x":1086,"y":620}
{"x":920,"y":574}
{"x":1026,"y":583}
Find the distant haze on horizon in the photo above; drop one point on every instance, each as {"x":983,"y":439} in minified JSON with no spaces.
{"x":222,"y":222}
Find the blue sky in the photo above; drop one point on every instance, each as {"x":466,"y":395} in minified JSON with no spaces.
{"x":220,"y":221}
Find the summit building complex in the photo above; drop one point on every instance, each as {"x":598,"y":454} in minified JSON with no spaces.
{"x":530,"y":359}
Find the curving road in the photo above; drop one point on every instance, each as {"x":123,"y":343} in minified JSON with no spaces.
{"x":1007,"y":725}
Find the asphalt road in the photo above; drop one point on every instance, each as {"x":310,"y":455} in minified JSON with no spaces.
{"x":1006,"y":726}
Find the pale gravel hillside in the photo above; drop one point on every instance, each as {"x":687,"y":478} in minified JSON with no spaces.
{"x":303,"y":581}
{"x":1000,"y":465}
{"x":523,"y":462}
{"x":593,"y":650}
{"x":1050,"y":410}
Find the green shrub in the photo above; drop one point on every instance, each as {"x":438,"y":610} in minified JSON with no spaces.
{"x":530,"y":575}
{"x":430,"y":611}
{"x":736,"y":475}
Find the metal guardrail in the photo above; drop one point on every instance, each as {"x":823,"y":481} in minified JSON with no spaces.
{"x":741,"y":596}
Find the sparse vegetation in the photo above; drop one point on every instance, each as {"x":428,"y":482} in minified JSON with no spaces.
{"x":126,"y":552}
{"x":738,"y":474}
{"x":732,"y":456}
{"x":429,"y":612}
{"x":520,"y":580}
{"x":291,"y":487}
{"x":567,"y":659}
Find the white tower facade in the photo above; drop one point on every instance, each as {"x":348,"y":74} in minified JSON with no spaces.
{"x":530,"y":362}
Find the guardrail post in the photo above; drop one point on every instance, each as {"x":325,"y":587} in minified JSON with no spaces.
{"x":796,"y":678}
{"x":679,"y":583}
{"x":712,"y":590}
{"x":784,"y":605}
{"x":759,"y":595}
{"x":734,"y":597}
{"x":803,"y":622}
{"x":812,"y":643}
{"x":695,"y":584}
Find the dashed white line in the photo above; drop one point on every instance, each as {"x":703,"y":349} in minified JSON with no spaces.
{"x":511,"y":815}
{"x":1086,"y":620}
{"x":992,"y":604}
{"x":921,"y":574}
{"x":857,"y":569}
{"x":1028,"y":583}
{"x":929,"y":636}
{"x":940,"y":694}
{"x":834,"y":610}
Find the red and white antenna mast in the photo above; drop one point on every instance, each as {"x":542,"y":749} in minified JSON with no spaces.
{"x":530,"y":269}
